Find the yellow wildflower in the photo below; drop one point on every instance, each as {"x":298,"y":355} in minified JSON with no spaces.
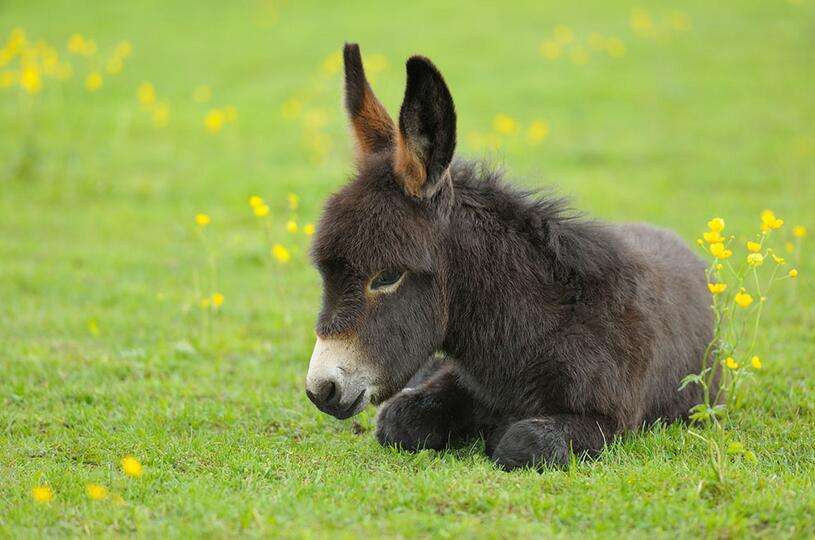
{"x":755,"y":362}
{"x":114,"y":65}
{"x":217,"y":299}
{"x":712,"y":237}
{"x":202,"y":94}
{"x":147,"y":94}
{"x":230,"y":113}
{"x":291,"y":226}
{"x":793,"y":273}
{"x":96,"y":492}
{"x":214,"y":120}
{"x":731,"y":363}
{"x":537,"y":132}
{"x":719,"y":266}
{"x":308,"y":229}
{"x":640,"y":21}
{"x":294,"y":201}
{"x":615,"y":48}
{"x":563,"y":34}
{"x":123,"y":49}
{"x":769,"y":222}
{"x":716,"y":224}
{"x":131,"y":466}
{"x":799,"y":231}
{"x":7,"y":79}
{"x":777,"y":259}
{"x":719,"y":251}
{"x":755,"y":259}
{"x":93,"y":327}
{"x":255,"y":200}
{"x":76,"y":44}
{"x":42,"y":494}
{"x":202,"y":220}
{"x":281,"y":253}
{"x":93,"y":81}
{"x":717,"y":288}
{"x":505,"y":125}
{"x":375,"y":63}
{"x":680,"y":21}
{"x":204,"y":303}
{"x":332,"y":63}
{"x":88,"y":48}
{"x":579,"y":56}
{"x":161,"y":115}
{"x":743,"y":299}
{"x":790,"y":247}
{"x":753,"y":247}
{"x":261,"y":210}
{"x":550,"y":50}
{"x":30,"y":80}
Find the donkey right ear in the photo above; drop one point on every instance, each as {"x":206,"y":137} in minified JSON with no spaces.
{"x":373,"y":127}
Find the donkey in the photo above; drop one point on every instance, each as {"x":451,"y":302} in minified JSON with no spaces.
{"x":556,"y":333}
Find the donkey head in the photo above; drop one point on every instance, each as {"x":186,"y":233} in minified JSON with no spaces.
{"x":378,"y":245}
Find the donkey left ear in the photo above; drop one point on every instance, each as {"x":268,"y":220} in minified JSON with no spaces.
{"x":426,"y":137}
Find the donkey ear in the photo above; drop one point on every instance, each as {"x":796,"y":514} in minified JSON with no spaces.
{"x":373,"y":127}
{"x":427,"y":130}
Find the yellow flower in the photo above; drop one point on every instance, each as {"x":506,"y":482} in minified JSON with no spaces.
{"x":281,"y":253}
{"x":255,"y":200}
{"x":680,"y":21}
{"x":615,"y":48}
{"x":204,"y":303}
{"x":230,"y":113}
{"x":202,"y":220}
{"x":537,"y":132}
{"x":96,"y":492}
{"x":550,"y":50}
{"x":88,"y":48}
{"x":161,"y":115}
{"x":7,"y":79}
{"x":755,"y":259}
{"x":202,"y":94}
{"x":719,"y":266}
{"x":147,"y":94}
{"x":30,"y":80}
{"x":308,"y":229}
{"x":640,"y":21}
{"x":790,"y":247}
{"x":131,"y":466}
{"x":769,"y":222}
{"x":504,"y":124}
{"x":123,"y":49}
{"x":712,"y":237}
{"x":717,"y":288}
{"x":755,"y":362}
{"x":777,"y":259}
{"x":261,"y":210}
{"x":375,"y":63}
{"x":76,"y":44}
{"x":294,"y":201}
{"x":114,"y":65}
{"x":563,"y":34}
{"x":93,"y":81}
{"x":214,"y":120}
{"x":799,"y":231}
{"x":743,"y":299}
{"x":291,"y":226}
{"x":42,"y":494}
{"x":719,"y":251}
{"x":93,"y":327}
{"x":332,"y":63}
{"x":217,"y":299}
{"x":793,"y":273}
{"x":716,"y":224}
{"x":579,"y":56}
{"x":753,"y":247}
{"x":731,"y":363}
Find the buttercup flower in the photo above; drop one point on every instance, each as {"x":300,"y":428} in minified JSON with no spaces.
{"x":96,"y":492}
{"x":755,"y":362}
{"x":717,"y":288}
{"x":719,"y":251}
{"x":291,"y":226}
{"x":202,"y":220}
{"x":261,"y":210}
{"x":537,"y":132}
{"x":753,"y":247}
{"x":799,"y":231}
{"x":769,"y":222}
{"x":505,"y":125}
{"x":712,"y":237}
{"x":743,"y":299}
{"x":214,"y":120}
{"x":716,"y":224}
{"x":217,"y":299}
{"x":281,"y":253}
{"x":731,"y":363}
{"x":146,"y":94}
{"x":777,"y":259}
{"x":308,"y":229}
{"x":42,"y":494}
{"x":755,"y":259}
{"x":294,"y":201}
{"x":202,"y":94}
{"x":131,"y":466}
{"x":255,"y":200}
{"x":793,"y":273}
{"x":93,"y":81}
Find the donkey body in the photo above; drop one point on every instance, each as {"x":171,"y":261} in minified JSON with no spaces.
{"x":557,"y":333}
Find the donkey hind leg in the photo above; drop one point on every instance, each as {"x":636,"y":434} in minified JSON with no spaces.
{"x":437,"y":413}
{"x":547,"y":440}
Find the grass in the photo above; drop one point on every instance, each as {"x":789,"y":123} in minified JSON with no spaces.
{"x":103,"y":349}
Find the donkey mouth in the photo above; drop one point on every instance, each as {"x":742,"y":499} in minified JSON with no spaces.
{"x":355,"y":407}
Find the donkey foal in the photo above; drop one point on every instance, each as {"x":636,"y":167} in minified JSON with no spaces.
{"x":556,"y":333}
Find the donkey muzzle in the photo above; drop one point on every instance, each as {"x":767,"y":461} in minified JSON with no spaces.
{"x":336,"y":382}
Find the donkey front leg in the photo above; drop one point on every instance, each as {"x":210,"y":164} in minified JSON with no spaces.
{"x":435,"y":414}
{"x":546,"y":440}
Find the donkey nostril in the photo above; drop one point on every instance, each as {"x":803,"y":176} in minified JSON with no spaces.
{"x":326,"y":393}
{"x":330,"y":391}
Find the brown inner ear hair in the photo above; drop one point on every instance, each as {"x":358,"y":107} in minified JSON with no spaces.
{"x":409,"y":167}
{"x":372,"y":125}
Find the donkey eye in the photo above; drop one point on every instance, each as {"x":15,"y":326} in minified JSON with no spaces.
{"x":385,"y":279}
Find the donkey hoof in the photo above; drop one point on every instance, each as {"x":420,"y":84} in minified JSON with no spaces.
{"x":532,"y":443}
{"x":404,"y":422}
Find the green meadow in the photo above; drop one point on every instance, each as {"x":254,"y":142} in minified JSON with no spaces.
{"x":127,"y":329}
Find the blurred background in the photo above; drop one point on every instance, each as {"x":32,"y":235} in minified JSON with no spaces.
{"x":162,"y":165}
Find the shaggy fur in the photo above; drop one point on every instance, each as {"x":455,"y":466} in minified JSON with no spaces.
{"x":557,"y":333}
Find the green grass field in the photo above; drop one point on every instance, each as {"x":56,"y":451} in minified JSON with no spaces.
{"x":644,"y":113}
